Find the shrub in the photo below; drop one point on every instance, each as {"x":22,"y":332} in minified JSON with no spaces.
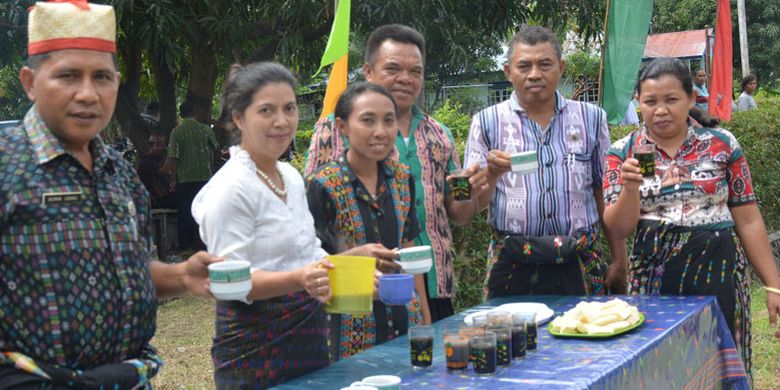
{"x":469,"y":243}
{"x":303,"y":135}
{"x":453,"y":115}
{"x":757,"y":132}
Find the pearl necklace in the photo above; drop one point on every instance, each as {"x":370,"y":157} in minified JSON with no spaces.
{"x":280,"y":192}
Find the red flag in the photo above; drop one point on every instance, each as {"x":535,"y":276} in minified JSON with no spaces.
{"x":720,"y":86}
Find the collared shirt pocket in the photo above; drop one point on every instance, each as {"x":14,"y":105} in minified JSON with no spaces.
{"x":580,"y":166}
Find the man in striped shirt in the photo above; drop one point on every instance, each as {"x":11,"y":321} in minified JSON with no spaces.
{"x":546,"y":222}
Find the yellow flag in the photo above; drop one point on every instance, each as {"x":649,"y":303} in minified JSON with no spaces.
{"x":336,"y":53}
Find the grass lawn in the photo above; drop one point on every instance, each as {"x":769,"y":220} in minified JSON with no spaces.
{"x":185,"y":327}
{"x":766,"y":348}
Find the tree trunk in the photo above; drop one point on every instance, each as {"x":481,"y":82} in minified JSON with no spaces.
{"x":203,"y":76}
{"x":166,"y":92}
{"x":127,"y":113}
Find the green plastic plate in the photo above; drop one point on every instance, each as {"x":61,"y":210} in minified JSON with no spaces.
{"x":598,"y":335}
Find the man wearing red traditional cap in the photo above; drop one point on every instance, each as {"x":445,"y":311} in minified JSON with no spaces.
{"x":78,"y":288}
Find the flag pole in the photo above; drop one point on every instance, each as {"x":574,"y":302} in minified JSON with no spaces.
{"x":743,"y":38}
{"x":603,"y":54}
{"x":707,"y":58}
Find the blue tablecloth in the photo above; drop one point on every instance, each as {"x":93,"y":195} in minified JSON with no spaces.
{"x":684,"y":343}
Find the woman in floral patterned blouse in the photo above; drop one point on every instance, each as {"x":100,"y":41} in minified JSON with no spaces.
{"x":695,"y":221}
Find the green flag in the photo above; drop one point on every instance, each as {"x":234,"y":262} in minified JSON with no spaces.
{"x":627,"y":26}
{"x":338,"y":43}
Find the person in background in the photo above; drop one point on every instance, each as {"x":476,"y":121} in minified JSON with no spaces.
{"x":746,"y":101}
{"x":190,"y":161}
{"x":546,"y":223}
{"x":156,"y":181}
{"x":254,"y":209}
{"x":224,"y":132}
{"x":78,"y":286}
{"x":395,"y":60}
{"x":696,"y":224}
{"x":700,"y":93}
{"x":381,"y":191}
{"x":631,"y":117}
{"x":152,"y":118}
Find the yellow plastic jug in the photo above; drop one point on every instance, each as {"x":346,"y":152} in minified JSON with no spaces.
{"x":352,"y":284}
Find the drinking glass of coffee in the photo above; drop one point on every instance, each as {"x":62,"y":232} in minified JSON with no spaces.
{"x":531,"y":330}
{"x":479,"y":320}
{"x":503,"y":343}
{"x":645,"y":154}
{"x":456,"y":349}
{"x":499,"y":318}
{"x":467,"y":331}
{"x":519,"y":335}
{"x":483,"y":349}
{"x":461,"y":188}
{"x":421,"y":346}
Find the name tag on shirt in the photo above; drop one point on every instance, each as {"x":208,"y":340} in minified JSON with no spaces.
{"x":62,"y":198}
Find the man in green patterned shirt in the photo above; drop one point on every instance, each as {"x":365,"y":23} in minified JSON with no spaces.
{"x":395,"y":60}
{"x":191,"y":160}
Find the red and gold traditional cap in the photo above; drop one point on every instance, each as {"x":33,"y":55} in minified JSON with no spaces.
{"x":71,"y":24}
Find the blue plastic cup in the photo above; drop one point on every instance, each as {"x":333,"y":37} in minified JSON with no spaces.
{"x":396,"y":289}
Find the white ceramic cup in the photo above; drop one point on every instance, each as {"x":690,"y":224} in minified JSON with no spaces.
{"x":380,"y":382}
{"x":230,"y":280}
{"x":416,"y":260}
{"x":524,"y":163}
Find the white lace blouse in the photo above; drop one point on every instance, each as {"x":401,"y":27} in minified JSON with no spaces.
{"x":240,"y":218}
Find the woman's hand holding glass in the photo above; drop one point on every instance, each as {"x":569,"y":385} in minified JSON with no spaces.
{"x":631,"y":175}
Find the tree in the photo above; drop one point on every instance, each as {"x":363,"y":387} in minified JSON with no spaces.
{"x":172,"y":50}
{"x":763,"y":18}
{"x":683,"y":15}
{"x":581,"y":67}
{"x":13,"y":101}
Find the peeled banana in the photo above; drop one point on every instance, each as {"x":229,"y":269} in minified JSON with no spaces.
{"x":595,"y":318}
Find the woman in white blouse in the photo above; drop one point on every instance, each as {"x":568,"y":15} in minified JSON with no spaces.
{"x":254,"y":209}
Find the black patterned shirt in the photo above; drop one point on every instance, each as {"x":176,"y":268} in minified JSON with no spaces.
{"x":75,"y":287}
